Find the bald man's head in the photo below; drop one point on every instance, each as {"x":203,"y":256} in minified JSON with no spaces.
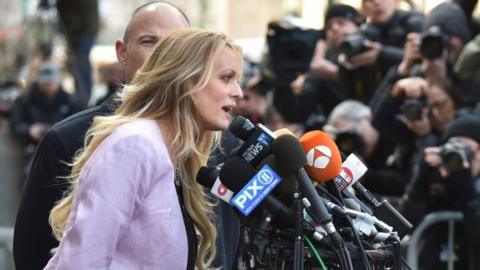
{"x":154,"y":5}
{"x":146,"y":26}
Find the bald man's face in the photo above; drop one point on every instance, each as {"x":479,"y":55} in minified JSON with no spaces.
{"x":147,"y":28}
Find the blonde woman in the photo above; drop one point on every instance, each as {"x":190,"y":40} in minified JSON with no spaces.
{"x":123,"y":211}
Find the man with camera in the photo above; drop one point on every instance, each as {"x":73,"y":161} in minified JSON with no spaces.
{"x":388,"y":165}
{"x":433,"y":53}
{"x":320,"y":89}
{"x":379,"y":42}
{"x":448,"y":178}
{"x":416,"y":112}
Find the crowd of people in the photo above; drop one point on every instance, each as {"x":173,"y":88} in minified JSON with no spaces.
{"x":114,"y":185}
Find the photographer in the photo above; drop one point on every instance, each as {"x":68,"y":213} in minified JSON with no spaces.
{"x":447,"y":178}
{"x":417,"y":111}
{"x":385,"y":32}
{"x":321,"y":88}
{"x":433,"y":53}
{"x":44,"y":104}
{"x":388,"y":165}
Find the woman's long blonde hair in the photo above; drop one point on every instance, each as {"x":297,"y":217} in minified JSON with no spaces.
{"x":180,"y":65}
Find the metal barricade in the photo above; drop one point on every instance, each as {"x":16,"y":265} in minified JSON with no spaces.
{"x":433,"y":218}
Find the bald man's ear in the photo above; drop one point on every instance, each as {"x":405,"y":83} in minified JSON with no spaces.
{"x":121,"y":50}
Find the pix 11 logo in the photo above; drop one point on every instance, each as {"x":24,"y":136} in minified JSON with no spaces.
{"x":253,"y":193}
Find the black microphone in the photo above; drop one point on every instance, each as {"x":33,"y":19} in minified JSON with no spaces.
{"x":257,"y":140}
{"x":236,"y":172}
{"x":209,"y":178}
{"x":289,"y":153}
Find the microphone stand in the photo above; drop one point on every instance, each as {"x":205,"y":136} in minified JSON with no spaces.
{"x":298,"y":245}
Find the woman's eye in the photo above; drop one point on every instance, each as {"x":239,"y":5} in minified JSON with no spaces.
{"x":226,"y":78}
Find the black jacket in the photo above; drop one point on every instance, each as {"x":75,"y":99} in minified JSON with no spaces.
{"x":35,"y":107}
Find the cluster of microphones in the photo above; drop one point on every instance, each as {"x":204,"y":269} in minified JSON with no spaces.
{"x":306,"y":191}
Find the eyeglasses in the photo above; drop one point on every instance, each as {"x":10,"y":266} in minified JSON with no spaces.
{"x":438,"y":104}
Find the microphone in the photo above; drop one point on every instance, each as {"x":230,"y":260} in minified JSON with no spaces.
{"x":289,"y":152}
{"x":287,"y":187}
{"x":353,"y":169}
{"x":323,"y":157}
{"x":325,"y":163}
{"x":236,"y":172}
{"x":257,"y":139}
{"x":209,"y":178}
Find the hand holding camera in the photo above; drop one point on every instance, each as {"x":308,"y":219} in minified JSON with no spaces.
{"x":412,"y":87}
{"x":451,"y":157}
{"x":411,"y":53}
{"x":414,"y":108}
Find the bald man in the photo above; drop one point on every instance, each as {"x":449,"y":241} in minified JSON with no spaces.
{"x":33,"y":238}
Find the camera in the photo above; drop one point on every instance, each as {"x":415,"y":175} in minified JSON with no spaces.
{"x":412,"y":108}
{"x":349,"y":141}
{"x":290,"y":50}
{"x":354,"y":42}
{"x":433,"y":41}
{"x":454,"y":154}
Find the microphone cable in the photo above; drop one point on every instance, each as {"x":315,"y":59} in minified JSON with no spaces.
{"x":365,"y":257}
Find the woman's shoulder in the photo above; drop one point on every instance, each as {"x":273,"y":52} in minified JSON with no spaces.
{"x":141,"y":134}
{"x":141,"y":128}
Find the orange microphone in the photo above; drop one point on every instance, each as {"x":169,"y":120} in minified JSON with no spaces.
{"x":324,"y":161}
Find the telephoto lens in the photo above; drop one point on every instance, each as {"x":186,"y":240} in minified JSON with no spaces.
{"x":433,"y":41}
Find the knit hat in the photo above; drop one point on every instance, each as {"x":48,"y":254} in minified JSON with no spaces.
{"x":467,"y":124}
{"x":48,"y":72}
{"x":451,"y":19}
{"x":345,"y":11}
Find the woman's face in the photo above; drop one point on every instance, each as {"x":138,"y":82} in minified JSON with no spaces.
{"x":216,"y":102}
{"x":442,"y":109}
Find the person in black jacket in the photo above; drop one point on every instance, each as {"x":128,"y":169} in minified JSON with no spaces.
{"x":42,"y":105}
{"x":320,"y":89}
{"x":448,"y":178}
{"x":33,"y":238}
{"x":80,"y":21}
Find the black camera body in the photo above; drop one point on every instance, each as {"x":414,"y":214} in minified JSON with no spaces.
{"x":454,"y":154}
{"x":433,"y":42}
{"x":290,"y":50}
{"x":349,"y":141}
{"x":354,"y":42}
{"x":412,"y":108}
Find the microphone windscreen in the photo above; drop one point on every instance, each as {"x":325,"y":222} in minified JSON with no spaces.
{"x":206,"y":176}
{"x":283,"y":131}
{"x":288,"y":154}
{"x":236,"y":173}
{"x":241,"y":127}
{"x":324,"y":161}
{"x":287,"y":186}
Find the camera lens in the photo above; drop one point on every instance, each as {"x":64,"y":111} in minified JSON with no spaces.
{"x":453,"y":161}
{"x":431,"y":47}
{"x":412,"y":109}
{"x":432,"y":43}
{"x":349,"y":142}
{"x":353,"y":44}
